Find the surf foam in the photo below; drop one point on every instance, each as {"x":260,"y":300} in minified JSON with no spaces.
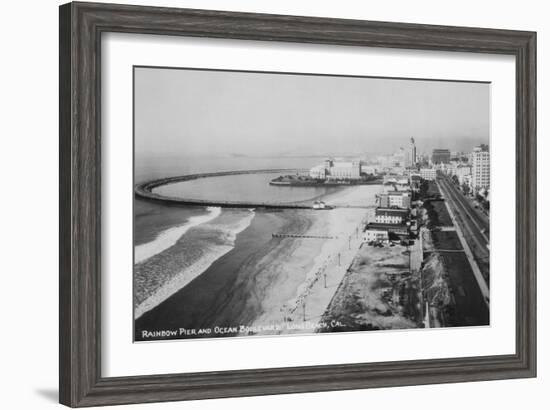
{"x":228,"y":233}
{"x":169,"y":237}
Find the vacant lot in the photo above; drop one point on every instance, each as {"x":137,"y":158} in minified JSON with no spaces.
{"x":377,"y":293}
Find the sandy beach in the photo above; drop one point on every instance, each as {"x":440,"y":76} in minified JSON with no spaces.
{"x":295,"y":291}
{"x":305,"y":280}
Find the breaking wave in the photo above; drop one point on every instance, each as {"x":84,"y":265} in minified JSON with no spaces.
{"x":226,"y":235}
{"x":170,"y":236}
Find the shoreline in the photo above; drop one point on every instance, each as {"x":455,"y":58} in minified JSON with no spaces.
{"x":263,"y":280}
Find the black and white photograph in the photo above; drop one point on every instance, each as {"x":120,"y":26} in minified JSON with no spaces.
{"x":271,"y":204}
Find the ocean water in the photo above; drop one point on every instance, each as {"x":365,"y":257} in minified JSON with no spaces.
{"x":170,"y":236}
{"x":184,"y":252}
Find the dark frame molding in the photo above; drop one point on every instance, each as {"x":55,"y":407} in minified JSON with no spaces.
{"x":81,"y":26}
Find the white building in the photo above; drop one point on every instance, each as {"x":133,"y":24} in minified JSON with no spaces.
{"x":481,"y":168}
{"x":331,"y":169}
{"x":394,"y":199}
{"x":345,"y":170}
{"x":318,"y":172}
{"x":377,"y":235}
{"x":391,"y":215}
{"x":396,"y":183}
{"x":428,"y":174}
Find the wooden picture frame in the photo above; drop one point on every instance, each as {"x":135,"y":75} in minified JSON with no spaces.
{"x":81,"y":27}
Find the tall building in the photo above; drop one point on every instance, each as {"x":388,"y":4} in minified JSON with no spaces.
{"x":441,"y":156}
{"x":481,"y":168}
{"x":410,"y":155}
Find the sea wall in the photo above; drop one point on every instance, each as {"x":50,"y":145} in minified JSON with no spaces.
{"x":145,"y":191}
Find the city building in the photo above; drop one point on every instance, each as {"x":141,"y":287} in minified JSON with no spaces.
{"x":394,"y":199}
{"x":481,"y":168}
{"x":441,"y":156}
{"x":428,"y":174}
{"x":331,"y":169}
{"x":410,"y":155}
{"x":391,"y":215}
{"x":462,"y":172}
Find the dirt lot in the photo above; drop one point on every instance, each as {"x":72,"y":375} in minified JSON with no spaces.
{"x":377,"y":293}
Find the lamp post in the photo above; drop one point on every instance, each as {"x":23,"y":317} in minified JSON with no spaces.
{"x":408,"y":223}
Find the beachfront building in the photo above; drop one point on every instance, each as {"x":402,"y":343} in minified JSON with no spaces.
{"x":345,"y":170}
{"x":318,"y":172}
{"x":337,"y":170}
{"x":481,"y":168}
{"x":428,"y":174}
{"x":380,"y":232}
{"x":391,"y":215}
{"x":375,"y":235}
{"x":394,"y":199}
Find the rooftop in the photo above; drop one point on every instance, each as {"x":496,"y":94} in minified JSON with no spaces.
{"x":387,"y":227}
{"x":392,"y":211}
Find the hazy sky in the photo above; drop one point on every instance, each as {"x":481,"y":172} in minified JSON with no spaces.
{"x":197,"y":112}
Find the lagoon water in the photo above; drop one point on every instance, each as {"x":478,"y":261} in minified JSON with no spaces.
{"x":244,"y":187}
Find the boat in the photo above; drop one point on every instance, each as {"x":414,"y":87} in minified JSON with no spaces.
{"x":320,"y":205}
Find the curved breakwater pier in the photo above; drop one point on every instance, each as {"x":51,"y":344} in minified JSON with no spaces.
{"x":145,"y":191}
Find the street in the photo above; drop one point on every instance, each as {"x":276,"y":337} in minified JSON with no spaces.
{"x":474,"y":226}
